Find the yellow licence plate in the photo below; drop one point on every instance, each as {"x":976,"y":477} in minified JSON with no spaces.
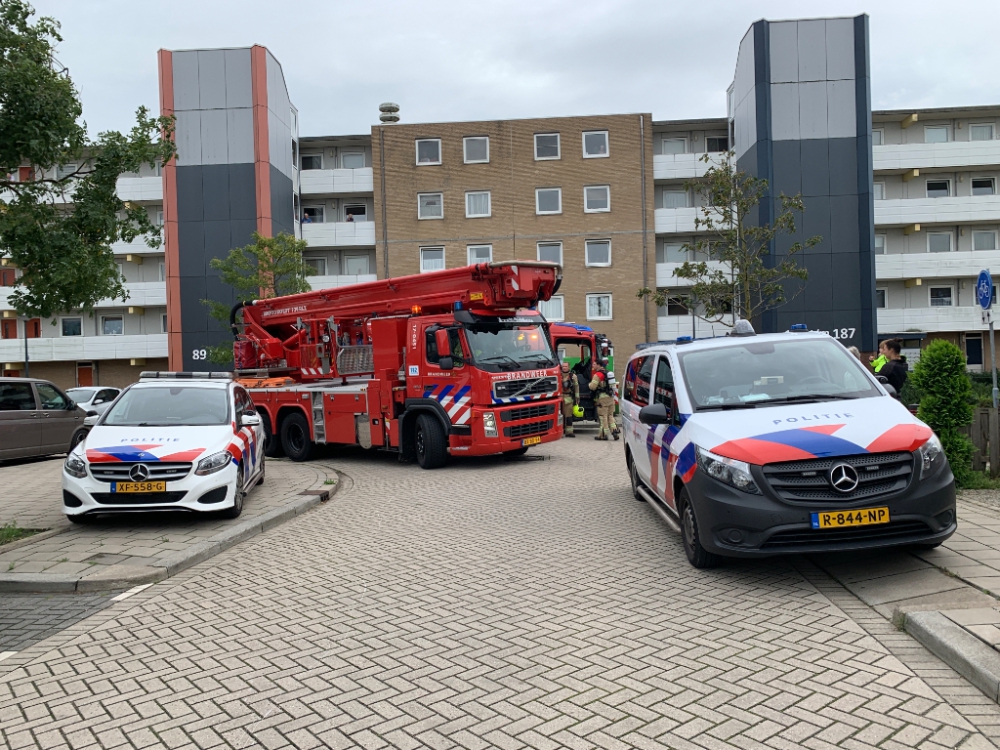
{"x":835,"y":519}
{"x":531,"y":441}
{"x":139,"y":487}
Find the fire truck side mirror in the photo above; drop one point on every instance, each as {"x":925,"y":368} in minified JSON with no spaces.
{"x":446,"y":363}
{"x":442,"y":342}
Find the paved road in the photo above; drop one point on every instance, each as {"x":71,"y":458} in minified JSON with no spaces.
{"x":490,"y":604}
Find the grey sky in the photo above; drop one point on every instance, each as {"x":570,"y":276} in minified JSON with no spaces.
{"x":466,"y":60}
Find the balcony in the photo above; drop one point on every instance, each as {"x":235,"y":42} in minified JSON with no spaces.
{"x":141,"y":189}
{"x":675,"y":220}
{"x":340,"y":234}
{"x":137,"y":246}
{"x":332,"y":282}
{"x":74,"y":348}
{"x":141,"y":294}
{"x":333,"y":181}
{"x":957,"y":154}
{"x":683,"y":166}
{"x":665,"y":273}
{"x":900,"y":320}
{"x":934,"y":265}
{"x":955,"y":210}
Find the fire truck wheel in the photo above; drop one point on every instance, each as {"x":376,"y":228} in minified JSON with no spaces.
{"x":272,"y":442}
{"x":295,"y":439}
{"x":430,"y":442}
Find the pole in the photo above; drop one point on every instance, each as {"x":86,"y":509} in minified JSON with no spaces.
{"x":993,"y":366}
{"x":994,"y":422}
{"x":27,"y":364}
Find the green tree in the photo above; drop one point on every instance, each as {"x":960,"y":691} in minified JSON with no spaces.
{"x":59,"y":207}
{"x":268,"y":267}
{"x":946,"y":402}
{"x":734,"y":273}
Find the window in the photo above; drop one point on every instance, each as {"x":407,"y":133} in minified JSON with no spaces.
{"x":112,"y":325}
{"x":880,"y":244}
{"x":162,"y":270}
{"x":477,"y":204}
{"x":431,"y":259}
{"x":479,"y":253}
{"x":638,"y":376}
{"x":598,"y":252}
{"x":878,"y":190}
{"x":550,"y":252}
{"x":295,"y":153}
{"x":674,"y":145}
{"x":356,"y":265}
{"x":717,"y":143}
{"x":935,"y":135}
{"x":598,"y":307}
{"x":546,"y":146}
{"x":941,"y":296}
{"x":312,"y":161}
{"x":880,"y":298}
{"x":938,"y":188}
{"x":671,"y":252}
{"x":313,"y":214}
{"x":939,"y":242}
{"x":981,"y":132}
{"x":51,"y":399}
{"x":675,"y":198}
{"x":595,"y":144}
{"x":676,"y":306}
{"x":16,"y":397}
{"x":983,"y":186}
{"x":878,"y":137}
{"x":33,"y":328}
{"x":120,"y":265}
{"x":548,"y":201}
{"x":352,"y":160}
{"x":457,"y":354}
{"x":430,"y":206}
{"x":984,"y":240}
{"x":552,"y":309}
{"x":596,"y":199}
{"x":318,"y":265}
{"x":65,"y":170}
{"x":663,"y":392}
{"x":71,"y":326}
{"x":159,"y":218}
{"x":429,"y":151}
{"x":163,"y":323}
{"x":354,"y":212}
{"x":476,"y":149}
{"x":8,"y":329}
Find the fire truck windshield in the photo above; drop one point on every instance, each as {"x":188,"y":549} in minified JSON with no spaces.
{"x":510,"y":347}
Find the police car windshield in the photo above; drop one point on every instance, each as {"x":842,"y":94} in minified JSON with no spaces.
{"x":767,"y":372}
{"x":164,"y":406}
{"x":521,"y":347}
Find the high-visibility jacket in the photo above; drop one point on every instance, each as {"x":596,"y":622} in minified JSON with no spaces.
{"x":879,"y":362}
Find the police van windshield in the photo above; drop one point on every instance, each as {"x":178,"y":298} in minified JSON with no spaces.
{"x":768,"y":372}
{"x":510,"y":347}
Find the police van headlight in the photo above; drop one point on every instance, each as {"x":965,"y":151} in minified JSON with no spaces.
{"x":75,"y":466}
{"x":728,"y":471}
{"x":931,"y":456}
{"x":490,"y":424}
{"x":215,"y":462}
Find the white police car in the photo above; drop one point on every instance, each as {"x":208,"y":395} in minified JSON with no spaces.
{"x":756,"y":445}
{"x":173,"y":441}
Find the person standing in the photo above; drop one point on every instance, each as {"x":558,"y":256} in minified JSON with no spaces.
{"x":604,"y":397}
{"x":570,"y":398}
{"x":896,"y":369}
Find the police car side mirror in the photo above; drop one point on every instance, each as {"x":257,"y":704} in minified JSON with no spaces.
{"x":250,"y":420}
{"x":891,"y":391}
{"x":655,"y":414}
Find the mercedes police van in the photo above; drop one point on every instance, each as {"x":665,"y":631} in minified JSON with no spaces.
{"x":756,"y":445}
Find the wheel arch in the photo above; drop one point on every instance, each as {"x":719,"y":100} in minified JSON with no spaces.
{"x":408,"y":421}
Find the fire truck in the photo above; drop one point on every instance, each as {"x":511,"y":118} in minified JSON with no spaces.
{"x":440,"y":364}
{"x":578,"y":343}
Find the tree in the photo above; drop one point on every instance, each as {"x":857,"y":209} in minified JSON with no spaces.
{"x":59,"y":207}
{"x":268,"y":267}
{"x":946,"y":404}
{"x":736,"y":275}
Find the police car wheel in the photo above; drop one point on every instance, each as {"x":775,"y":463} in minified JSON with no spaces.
{"x":633,"y":474}
{"x":237,"y":508}
{"x":697,"y":555}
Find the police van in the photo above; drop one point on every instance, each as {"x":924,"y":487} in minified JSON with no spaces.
{"x":757,"y":445}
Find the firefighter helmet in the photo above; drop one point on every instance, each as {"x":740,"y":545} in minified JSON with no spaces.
{"x":578,"y":411}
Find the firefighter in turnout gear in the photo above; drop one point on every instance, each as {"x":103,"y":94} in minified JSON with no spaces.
{"x":570,"y":398}
{"x":604,"y":398}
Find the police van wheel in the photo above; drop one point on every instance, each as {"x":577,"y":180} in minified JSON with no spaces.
{"x":633,"y":474}
{"x":697,"y":555}
{"x":430,"y":442}
{"x":295,"y":439}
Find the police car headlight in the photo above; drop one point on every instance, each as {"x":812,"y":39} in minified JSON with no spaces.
{"x":490,"y":424}
{"x":211,"y":464}
{"x":931,"y":455}
{"x":728,"y":471}
{"x":75,"y":466}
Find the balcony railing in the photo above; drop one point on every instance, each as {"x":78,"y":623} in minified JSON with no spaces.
{"x":331,"y":282}
{"x":137,"y":246}
{"x":665,"y":273}
{"x":934,"y":265}
{"x":936,"y":155}
{"x":143,"y":189}
{"x":899,"y":320}
{"x":72,"y":348}
{"x":683,"y":166}
{"x":955,"y":210}
{"x":333,"y":181}
{"x":340,"y":234}
{"x":675,"y":220}
{"x":141,"y":294}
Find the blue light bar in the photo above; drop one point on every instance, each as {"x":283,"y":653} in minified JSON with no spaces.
{"x":798,"y":327}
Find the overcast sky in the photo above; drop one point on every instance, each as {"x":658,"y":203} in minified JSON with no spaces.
{"x":483,"y":59}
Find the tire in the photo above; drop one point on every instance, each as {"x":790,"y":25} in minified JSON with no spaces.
{"x":81,"y":519}
{"x":272,"y":442}
{"x":238,"y":496}
{"x":633,"y":474}
{"x":78,"y":437}
{"x":296,"y":440}
{"x":697,"y":555}
{"x":516,"y":452}
{"x":263,"y":470}
{"x":430,"y":444}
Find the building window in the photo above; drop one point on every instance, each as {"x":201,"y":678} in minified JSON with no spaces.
{"x":595,"y":144}
{"x":112,"y":325}
{"x":546,"y":146}
{"x":356,"y":265}
{"x":880,"y":244}
{"x":878,"y":191}
{"x":352,"y":160}
{"x":163,"y":323}
{"x":983,"y":186}
{"x":984,"y":240}
{"x":159,"y":218}
{"x":939,"y":242}
{"x":476,"y":149}
{"x":295,"y":153}
{"x":428,"y":151}
{"x":548,"y":200}
{"x":552,"y":309}
{"x":65,"y":170}
{"x":717,"y":143}
{"x":941,"y":296}
{"x":550,"y":252}
{"x":480,"y":253}
{"x":878,"y":137}
{"x":312,"y":161}
{"x":313,"y":214}
{"x":674,"y":145}
{"x":880,"y":298}
{"x":354,"y":212}
{"x":162,"y":269}
{"x":431,"y":259}
{"x":8,"y":329}
{"x":676,"y":306}
{"x":71,"y":326}
{"x":675,"y":198}
{"x":935,"y":134}
{"x":430,"y":206}
{"x":477,"y":204}
{"x":671,"y":252}
{"x":318,"y":265}
{"x":598,"y":252}
{"x":597,"y":199}
{"x":981,"y":132}
{"x":938,"y":188}
{"x":598,"y":307}
{"x":33,"y":328}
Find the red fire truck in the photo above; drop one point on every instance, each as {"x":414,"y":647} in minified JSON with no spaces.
{"x":578,"y":344}
{"x":443,"y":363}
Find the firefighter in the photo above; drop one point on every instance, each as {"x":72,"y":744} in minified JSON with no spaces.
{"x":570,"y":398}
{"x":604,"y":397}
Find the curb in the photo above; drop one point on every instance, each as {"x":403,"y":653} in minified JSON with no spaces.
{"x":957,"y":648}
{"x":128,"y":576}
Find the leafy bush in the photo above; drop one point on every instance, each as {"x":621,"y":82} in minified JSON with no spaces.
{"x":946,"y":403}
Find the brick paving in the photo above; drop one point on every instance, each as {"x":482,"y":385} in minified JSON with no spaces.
{"x":530,"y":603}
{"x":26,"y":619}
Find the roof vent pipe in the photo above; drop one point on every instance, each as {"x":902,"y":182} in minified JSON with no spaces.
{"x":390,"y":112}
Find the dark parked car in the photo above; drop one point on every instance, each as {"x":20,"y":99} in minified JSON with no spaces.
{"x":37,"y":419}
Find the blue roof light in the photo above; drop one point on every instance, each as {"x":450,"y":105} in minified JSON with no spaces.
{"x":798,"y":327}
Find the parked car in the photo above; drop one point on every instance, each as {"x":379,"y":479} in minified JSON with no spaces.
{"x":37,"y":419}
{"x":172,"y":441}
{"x":94,"y":400}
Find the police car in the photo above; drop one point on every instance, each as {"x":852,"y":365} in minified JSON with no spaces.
{"x":755,"y":445}
{"x":173,"y":441}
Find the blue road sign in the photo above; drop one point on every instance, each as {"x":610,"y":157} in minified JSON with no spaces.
{"x":984,"y":290}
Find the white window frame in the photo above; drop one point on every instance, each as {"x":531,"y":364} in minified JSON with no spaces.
{"x":162,"y":270}
{"x":416,"y":152}
{"x":945,"y":128}
{"x":586,"y":254}
{"x":538,"y":250}
{"x":365,"y":207}
{"x":470,"y":248}
{"x":164,"y":323}
{"x":885,"y":244}
{"x":885,"y":297}
{"x":675,"y":191}
{"x":682,"y":138}
{"x":430,"y":218}
{"x":950,"y":287}
{"x":875,"y":190}
{"x":322,"y":213}
{"x":937,"y":179}
{"x":311,"y":156}
{"x":611,"y":308}
{"x":607,"y":144}
{"x":548,"y":213}
{"x":109,"y":317}
{"x":973,"y":179}
{"x":465,"y":149}
{"x":348,"y":258}
{"x":356,"y":153}
{"x":489,"y":204}
{"x":562,"y":307}
{"x":881,"y":140}
{"x":990,"y":125}
{"x":951,"y":241}
{"x":159,"y":218}
{"x":321,"y":260}
{"x":444,"y":258}
{"x":996,"y":245}
{"x":71,"y":317}
{"x":558,"y":147}
{"x":607,"y":189}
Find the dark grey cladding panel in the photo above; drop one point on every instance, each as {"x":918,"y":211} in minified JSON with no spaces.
{"x":281,"y":203}
{"x":787,"y":168}
{"x":241,"y":232}
{"x":218,"y":241}
{"x":843,"y":166}
{"x":819,"y":290}
{"x":190,"y":200}
{"x":849,"y":294}
{"x":215,"y":189}
{"x":242,"y":192}
{"x":844,"y":224}
{"x":191,"y":249}
{"x":815,"y":167}
{"x":816,"y":222}
{"x":194,"y":314}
